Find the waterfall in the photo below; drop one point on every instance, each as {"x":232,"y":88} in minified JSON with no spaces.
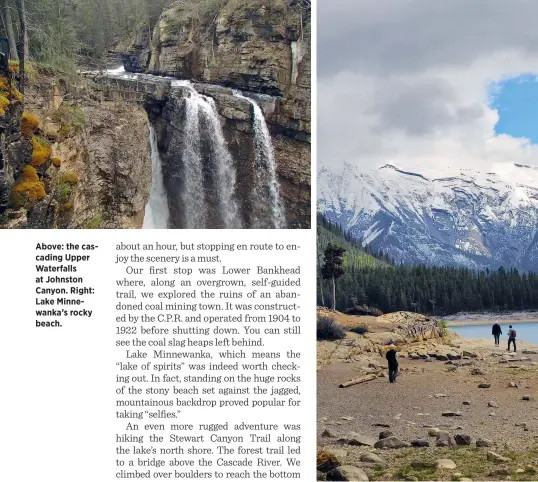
{"x":266,"y":190}
{"x":156,"y":212}
{"x":225,"y":178}
{"x":193,"y":181}
{"x":202,"y":124}
{"x":202,"y":193}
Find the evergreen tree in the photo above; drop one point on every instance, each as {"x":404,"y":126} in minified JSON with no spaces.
{"x":333,"y":266}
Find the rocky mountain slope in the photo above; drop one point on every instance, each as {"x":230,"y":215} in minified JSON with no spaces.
{"x":465,"y":218}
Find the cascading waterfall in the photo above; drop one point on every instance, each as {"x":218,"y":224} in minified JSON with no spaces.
{"x":225,"y":179}
{"x":267,"y":188}
{"x":193,"y":187}
{"x":202,"y":116}
{"x":156,"y":213}
{"x":208,"y":172}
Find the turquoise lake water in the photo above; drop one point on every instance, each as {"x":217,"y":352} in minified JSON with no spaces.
{"x":525,"y":331}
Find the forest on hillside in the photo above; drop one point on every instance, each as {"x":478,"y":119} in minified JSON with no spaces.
{"x":63,"y":33}
{"x":424,"y":289}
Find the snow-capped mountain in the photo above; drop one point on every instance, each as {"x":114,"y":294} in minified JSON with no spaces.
{"x":458,"y":217}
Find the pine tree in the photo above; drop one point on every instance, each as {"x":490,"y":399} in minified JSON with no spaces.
{"x":333,"y":266}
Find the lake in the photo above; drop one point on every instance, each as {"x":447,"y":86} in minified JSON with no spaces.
{"x":525,"y":331}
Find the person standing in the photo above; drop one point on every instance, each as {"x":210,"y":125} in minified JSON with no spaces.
{"x":496,"y":331}
{"x":393,"y":364}
{"x":511,"y":338}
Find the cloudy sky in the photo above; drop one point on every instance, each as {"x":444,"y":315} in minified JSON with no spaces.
{"x":429,"y":83}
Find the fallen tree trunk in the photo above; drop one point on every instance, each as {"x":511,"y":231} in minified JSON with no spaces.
{"x":367,"y":378}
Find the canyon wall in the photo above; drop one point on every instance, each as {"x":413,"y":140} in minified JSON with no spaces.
{"x":97,"y":173}
{"x":261,"y":48}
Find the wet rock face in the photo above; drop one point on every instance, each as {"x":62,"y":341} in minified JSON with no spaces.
{"x":132,"y":62}
{"x":135,"y":53}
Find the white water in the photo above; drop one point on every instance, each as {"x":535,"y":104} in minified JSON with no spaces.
{"x":156,"y":214}
{"x":265,"y":168}
{"x":225,"y":178}
{"x":202,"y":111}
{"x":297,"y":53}
{"x":193,"y":186}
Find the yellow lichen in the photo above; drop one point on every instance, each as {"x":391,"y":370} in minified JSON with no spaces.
{"x":29,"y":124}
{"x":56,"y":161}
{"x":33,"y":191}
{"x":28,"y":189}
{"x":15,"y":93}
{"x":41,"y":152}
{"x":14,"y":66}
{"x":7,"y":93}
{"x":69,"y":177}
{"x":29,"y":174}
{"x":4,"y":82}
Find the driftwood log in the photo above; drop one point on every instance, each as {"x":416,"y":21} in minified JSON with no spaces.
{"x":367,"y":378}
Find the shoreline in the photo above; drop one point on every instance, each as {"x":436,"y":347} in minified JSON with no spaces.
{"x":490,"y":321}
{"x":487,"y":344}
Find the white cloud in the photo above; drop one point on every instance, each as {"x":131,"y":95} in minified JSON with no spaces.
{"x":409,"y":81}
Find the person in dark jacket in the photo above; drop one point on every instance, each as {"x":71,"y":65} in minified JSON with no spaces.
{"x":496,"y":331}
{"x":393,"y":365}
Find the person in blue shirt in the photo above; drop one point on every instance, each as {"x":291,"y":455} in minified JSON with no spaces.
{"x":511,"y":338}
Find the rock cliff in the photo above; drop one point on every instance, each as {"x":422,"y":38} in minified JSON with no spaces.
{"x":90,"y":177}
{"x":260,"y":48}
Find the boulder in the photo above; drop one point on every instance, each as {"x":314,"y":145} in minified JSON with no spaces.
{"x":484,"y":442}
{"x":420,"y":443}
{"x":391,"y":443}
{"x":328,"y":433}
{"x":484,"y":385}
{"x":372,"y":459}
{"x":470,"y":354}
{"x":385,"y":434}
{"x":357,"y":439}
{"x":497,"y":458}
{"x":444,"y":439}
{"x":462,"y":439}
{"x":349,"y":473}
{"x":328,"y":459}
{"x":446,"y":464}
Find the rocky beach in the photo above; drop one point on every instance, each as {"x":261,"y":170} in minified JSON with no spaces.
{"x":461,"y":409}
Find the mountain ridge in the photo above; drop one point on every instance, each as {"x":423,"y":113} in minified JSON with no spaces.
{"x":455,"y":218}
